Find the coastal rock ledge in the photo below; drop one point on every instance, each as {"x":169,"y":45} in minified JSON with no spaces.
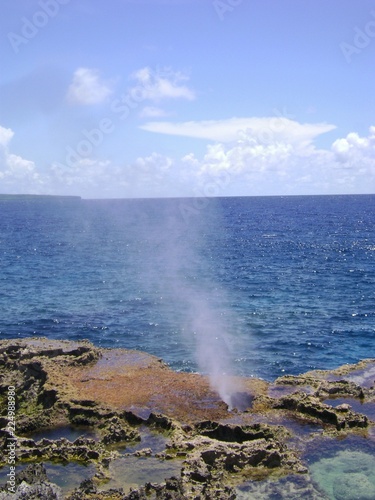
{"x":114,"y":400}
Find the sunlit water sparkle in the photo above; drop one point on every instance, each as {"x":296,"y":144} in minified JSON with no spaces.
{"x":290,"y":278}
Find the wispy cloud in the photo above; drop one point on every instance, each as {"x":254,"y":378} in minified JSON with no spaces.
{"x":87,"y":88}
{"x":152,"y":112}
{"x":160,"y":85}
{"x":266,"y":129}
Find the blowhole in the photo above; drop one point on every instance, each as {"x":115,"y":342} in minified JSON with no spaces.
{"x":241,"y":401}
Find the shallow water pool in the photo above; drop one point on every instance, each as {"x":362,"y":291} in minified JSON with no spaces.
{"x":67,"y":476}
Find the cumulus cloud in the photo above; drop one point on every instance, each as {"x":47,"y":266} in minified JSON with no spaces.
{"x":160,"y":85}
{"x":87,"y":88}
{"x":284,"y":167}
{"x":16,"y":173}
{"x":355,"y":148}
{"x":267,"y":129}
{"x":248,"y":166}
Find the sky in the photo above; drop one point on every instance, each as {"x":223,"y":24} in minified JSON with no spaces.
{"x":169,"y":98}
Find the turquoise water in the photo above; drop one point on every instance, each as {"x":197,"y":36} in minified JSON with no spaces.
{"x":338,"y":469}
{"x":286,"y":284}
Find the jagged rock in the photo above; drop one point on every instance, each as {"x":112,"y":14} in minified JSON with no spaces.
{"x":86,"y":491}
{"x":39,"y":419}
{"x":324,"y":388}
{"x":83,"y":449}
{"x":88,"y":486}
{"x":196,"y":470}
{"x":31,"y":484}
{"x":211,"y":461}
{"x":88,"y":415}
{"x":132,"y":418}
{"x":298,"y":380}
{"x":343,"y":407}
{"x":115,"y":431}
{"x":32,"y":474}
{"x":145,"y":452}
{"x":237,"y":433}
{"x":313,"y":407}
{"x":342,"y":388}
{"x":172,"y":490}
{"x":40,"y":491}
{"x":60,"y":383}
{"x":233,"y":457}
{"x":136,"y":495}
{"x":160,"y":421}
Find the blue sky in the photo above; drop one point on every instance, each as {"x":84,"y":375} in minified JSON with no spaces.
{"x":139,"y":98}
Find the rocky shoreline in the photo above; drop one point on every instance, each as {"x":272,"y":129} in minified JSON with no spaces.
{"x":118,"y":393}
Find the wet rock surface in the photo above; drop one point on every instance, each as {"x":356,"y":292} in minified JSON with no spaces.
{"x":33,"y":483}
{"x":115,"y":393}
{"x":311,"y":406}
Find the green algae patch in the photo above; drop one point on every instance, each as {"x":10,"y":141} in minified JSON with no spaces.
{"x":348,"y":475}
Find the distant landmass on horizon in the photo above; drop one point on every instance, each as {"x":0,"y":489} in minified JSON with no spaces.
{"x":36,"y":196}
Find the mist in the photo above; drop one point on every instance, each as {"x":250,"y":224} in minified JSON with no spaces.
{"x":179,"y":263}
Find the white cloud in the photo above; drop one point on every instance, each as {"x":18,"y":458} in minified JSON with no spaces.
{"x":154,"y":162}
{"x":6,"y":135}
{"x":87,"y":88}
{"x":87,"y":178}
{"x":355,"y":148}
{"x":255,"y":167}
{"x":248,"y":166}
{"x":152,"y":112}
{"x":16,"y":173}
{"x":90,"y":178}
{"x":264,"y":130}
{"x":160,"y":85}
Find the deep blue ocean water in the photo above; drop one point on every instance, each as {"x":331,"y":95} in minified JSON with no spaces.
{"x":280,"y":284}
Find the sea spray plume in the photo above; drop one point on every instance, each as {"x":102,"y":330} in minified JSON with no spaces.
{"x":213,"y":345}
{"x":180,"y":258}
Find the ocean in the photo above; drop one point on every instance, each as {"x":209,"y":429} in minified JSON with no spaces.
{"x":256,"y":286}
